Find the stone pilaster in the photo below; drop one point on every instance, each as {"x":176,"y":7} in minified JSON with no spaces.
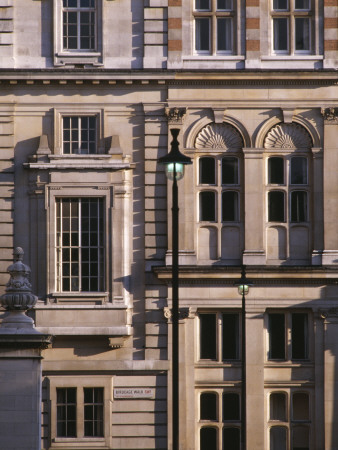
{"x":330,"y":34}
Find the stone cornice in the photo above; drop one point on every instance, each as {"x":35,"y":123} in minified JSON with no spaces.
{"x":261,"y":276}
{"x":99,"y":77}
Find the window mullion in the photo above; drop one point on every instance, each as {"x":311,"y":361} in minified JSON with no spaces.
{"x":78,"y":28}
{"x":219,"y":337}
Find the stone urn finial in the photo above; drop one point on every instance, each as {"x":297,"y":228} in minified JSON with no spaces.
{"x":18,"y":297}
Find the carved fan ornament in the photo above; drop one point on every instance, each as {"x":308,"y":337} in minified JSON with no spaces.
{"x":218,"y":136}
{"x":288,"y":135}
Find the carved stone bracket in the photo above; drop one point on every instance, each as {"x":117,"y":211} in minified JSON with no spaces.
{"x":184,"y":313}
{"x":175,"y":116}
{"x":116,"y":342}
{"x":330,"y":115}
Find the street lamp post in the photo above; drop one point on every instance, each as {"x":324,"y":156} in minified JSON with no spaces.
{"x":243,"y":288}
{"x":174,"y":165}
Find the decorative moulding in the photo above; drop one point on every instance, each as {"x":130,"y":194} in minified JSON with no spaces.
{"x":218,"y":136}
{"x":175,"y":115}
{"x":330,"y":115}
{"x":288,"y":135}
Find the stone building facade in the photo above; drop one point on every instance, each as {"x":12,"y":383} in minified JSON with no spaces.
{"x":89,"y":92}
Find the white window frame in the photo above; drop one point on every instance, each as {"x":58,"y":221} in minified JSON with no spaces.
{"x":54,"y":192}
{"x":291,"y":14}
{"x":287,"y":187}
{"x":213,"y":14}
{"x":80,"y":120}
{"x":288,"y":337}
{"x":75,"y":57}
{"x":81,"y":382}
{"x":78,"y":111}
{"x":289,"y":422}
{"x":218,"y":424}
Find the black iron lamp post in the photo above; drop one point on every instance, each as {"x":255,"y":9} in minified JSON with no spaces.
{"x":174,"y":166}
{"x":243,"y":288}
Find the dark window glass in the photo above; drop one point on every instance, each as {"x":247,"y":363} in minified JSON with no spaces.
{"x":66,"y":412}
{"x":231,"y":409}
{"x":207,"y":171}
{"x":300,"y":406}
{"x":298,"y":170}
{"x":224,"y":4}
{"x":278,"y":406}
{"x":202,"y":4}
{"x":299,"y":336}
{"x":208,"y":336}
{"x":298,"y":206}
{"x":280,"y":4}
{"x":231,"y":438}
{"x":230,"y":206}
{"x":230,"y":335}
{"x":278,"y":438}
{"x":302,"y":4}
{"x":276,"y":170}
{"x":208,"y":406}
{"x":224,"y":34}
{"x":276,"y":206}
{"x":302,"y":34}
{"x":276,"y":336}
{"x":79,"y":244}
{"x":202,"y":31}
{"x":207,"y":206}
{"x":280,"y":34}
{"x":93,"y":412}
{"x":229,"y":170}
{"x":208,"y":438}
{"x":300,"y":438}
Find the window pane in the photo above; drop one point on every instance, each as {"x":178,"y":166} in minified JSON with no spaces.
{"x":298,"y":206}
{"x":278,"y":438}
{"x":231,"y":439}
{"x":208,"y":406}
{"x":300,"y":438}
{"x":299,"y":336}
{"x":280,"y":4}
{"x":278,"y":406}
{"x":298,"y":170}
{"x":276,"y":206}
{"x":231,"y":407}
{"x":276,"y":170}
{"x":302,"y":4}
{"x":207,"y":171}
{"x":276,"y":336}
{"x":230,"y":206}
{"x":66,"y":412}
{"x":230,"y":336}
{"x":207,"y":206}
{"x":208,"y":439}
{"x":229,"y":170}
{"x":302,"y":34}
{"x":224,"y":4}
{"x":202,"y":4}
{"x":208,"y":336}
{"x":224,"y":35}
{"x":202,"y":39}
{"x":300,"y":406}
{"x":93,"y":412}
{"x":280,"y":34}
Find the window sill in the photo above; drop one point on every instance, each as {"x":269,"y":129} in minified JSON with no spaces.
{"x":296,"y":57}
{"x":67,"y":443}
{"x":78,"y":57}
{"x":207,"y":57}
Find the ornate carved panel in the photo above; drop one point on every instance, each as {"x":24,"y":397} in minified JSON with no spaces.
{"x":288,"y":135}
{"x":218,"y":136}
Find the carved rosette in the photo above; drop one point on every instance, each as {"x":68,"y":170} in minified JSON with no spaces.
{"x":288,"y":135}
{"x":330,"y":115}
{"x":184,"y":313}
{"x":218,"y":136}
{"x":175,"y":116}
{"x":19,"y":296}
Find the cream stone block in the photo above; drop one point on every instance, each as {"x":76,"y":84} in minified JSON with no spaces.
{"x":155,"y":39}
{"x":151,"y":26}
{"x":6,"y":26}
{"x":158,"y":3}
{"x":155,"y":13}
